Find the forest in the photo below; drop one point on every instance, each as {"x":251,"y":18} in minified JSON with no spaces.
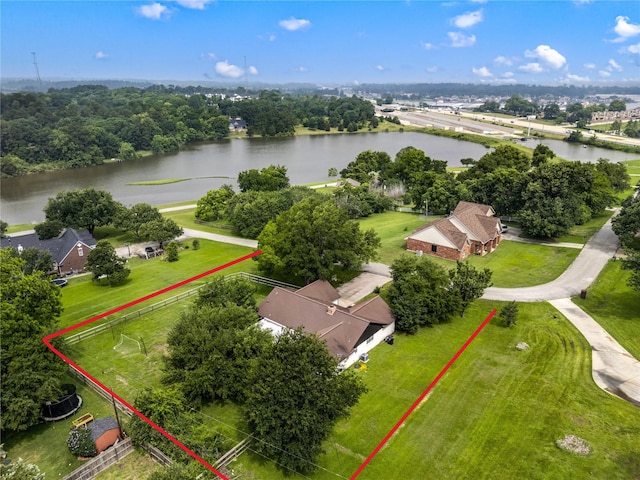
{"x":88,"y":124}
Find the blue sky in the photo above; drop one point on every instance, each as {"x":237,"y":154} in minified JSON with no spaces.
{"x":327,"y":42}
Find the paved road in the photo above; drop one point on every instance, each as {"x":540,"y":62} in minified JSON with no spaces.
{"x":581,"y":273}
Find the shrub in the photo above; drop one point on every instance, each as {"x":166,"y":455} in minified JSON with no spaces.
{"x":80,"y":442}
{"x":196,"y":243}
{"x":172,"y":252}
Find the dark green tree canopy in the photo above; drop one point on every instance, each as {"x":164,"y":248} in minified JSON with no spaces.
{"x":420,"y":294}
{"x":627,"y":223}
{"x":211,"y":349}
{"x":133,"y":219}
{"x":103,"y":261}
{"x":311,"y":238}
{"x":213,"y":206}
{"x":82,"y":209}
{"x":268,"y":179}
{"x":31,"y":374}
{"x":469,"y":283}
{"x":295,"y":399}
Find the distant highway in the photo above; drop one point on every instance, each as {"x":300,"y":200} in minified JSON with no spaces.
{"x":490,"y":125}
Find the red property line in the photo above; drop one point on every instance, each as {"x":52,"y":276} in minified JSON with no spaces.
{"x":48,"y":338}
{"x":424,"y":394}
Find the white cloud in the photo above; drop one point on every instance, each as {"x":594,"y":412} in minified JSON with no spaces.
{"x":155,"y":11}
{"x":433,"y":69}
{"x":428,"y":46}
{"x":604,"y":73}
{"x":613,"y":65}
{"x":531,"y":68}
{"x":225,"y":69}
{"x":482,"y":72}
{"x":101,"y":55}
{"x":507,"y":74}
{"x":503,"y":61}
{"x":624,"y":29}
{"x":194,"y":4}
{"x":634,"y":48}
{"x":380,"y":68}
{"x":590,"y":66}
{"x":479,"y":1}
{"x":209,"y":57}
{"x":582,"y":2}
{"x":461,"y":40}
{"x":301,"y":69}
{"x":547,"y":55}
{"x":468,"y":19}
{"x":294,"y":24}
{"x":252,"y":70}
{"x":576,"y":78}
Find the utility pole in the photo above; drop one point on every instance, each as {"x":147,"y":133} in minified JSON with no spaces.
{"x":35,"y":63}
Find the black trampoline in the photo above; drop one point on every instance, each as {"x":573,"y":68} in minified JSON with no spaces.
{"x":66,"y":405}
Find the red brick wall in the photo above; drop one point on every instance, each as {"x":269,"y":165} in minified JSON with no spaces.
{"x":73,"y":261}
{"x":442,"y":252}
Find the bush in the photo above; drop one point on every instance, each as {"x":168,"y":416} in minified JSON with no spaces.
{"x":195,"y":244}
{"x":172,"y":252}
{"x":80,"y":442}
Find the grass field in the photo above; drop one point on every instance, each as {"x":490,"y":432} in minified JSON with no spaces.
{"x":612,"y":303}
{"x":135,"y":466}
{"x":83,"y":298}
{"x":496,"y":414}
{"x":582,"y":233}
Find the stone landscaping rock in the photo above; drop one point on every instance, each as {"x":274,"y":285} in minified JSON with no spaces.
{"x":522,"y":346}
{"x":573,"y":444}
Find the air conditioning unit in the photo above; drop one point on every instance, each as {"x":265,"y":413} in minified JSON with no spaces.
{"x":364,"y":357}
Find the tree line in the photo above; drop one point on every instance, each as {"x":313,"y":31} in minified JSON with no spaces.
{"x":88,"y":124}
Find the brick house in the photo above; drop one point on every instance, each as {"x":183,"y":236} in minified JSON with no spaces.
{"x":348,"y":333}
{"x":472,"y":229}
{"x":69,"y":249}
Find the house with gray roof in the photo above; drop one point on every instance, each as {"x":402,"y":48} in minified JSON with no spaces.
{"x":471,"y":229}
{"x":348,"y":333}
{"x":69,"y":249}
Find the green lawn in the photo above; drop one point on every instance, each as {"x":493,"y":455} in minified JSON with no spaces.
{"x":612,"y":303}
{"x":582,"y":233}
{"x":135,"y":466}
{"x":496,"y":414}
{"x":83,"y":298}
{"x":186,"y":219}
{"x":393,"y":228}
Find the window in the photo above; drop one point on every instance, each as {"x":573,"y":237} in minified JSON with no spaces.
{"x":434,"y":248}
{"x":370,"y":339}
{"x":80,"y":251}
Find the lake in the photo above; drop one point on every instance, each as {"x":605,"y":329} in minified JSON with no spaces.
{"x":208,"y":166}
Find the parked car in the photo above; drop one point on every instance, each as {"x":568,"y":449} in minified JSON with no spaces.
{"x":505,"y":228}
{"x":61,"y":282}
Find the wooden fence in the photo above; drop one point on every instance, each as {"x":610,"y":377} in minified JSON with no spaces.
{"x":103,"y":327}
{"x":103,"y":461}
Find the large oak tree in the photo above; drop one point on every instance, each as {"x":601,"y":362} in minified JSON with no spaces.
{"x":311,"y":238}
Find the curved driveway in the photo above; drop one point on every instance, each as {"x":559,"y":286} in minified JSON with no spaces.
{"x":581,"y":273}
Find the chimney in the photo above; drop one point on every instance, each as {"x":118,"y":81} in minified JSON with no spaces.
{"x":331,"y":309}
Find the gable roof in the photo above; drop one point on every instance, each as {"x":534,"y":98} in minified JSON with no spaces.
{"x":342,"y":329}
{"x":320,"y":290}
{"x":59,"y":247}
{"x":102,"y":425}
{"x":469,"y":221}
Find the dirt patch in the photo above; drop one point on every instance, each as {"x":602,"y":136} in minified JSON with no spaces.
{"x":122,"y":380}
